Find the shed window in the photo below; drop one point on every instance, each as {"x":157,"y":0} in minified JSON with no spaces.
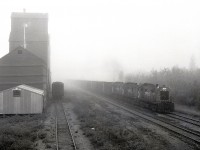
{"x":16,"y":93}
{"x":19,"y":51}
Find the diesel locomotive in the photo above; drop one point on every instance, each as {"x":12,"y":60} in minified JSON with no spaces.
{"x":155,"y":97}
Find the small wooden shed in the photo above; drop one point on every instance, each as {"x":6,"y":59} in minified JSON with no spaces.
{"x":22,"y":99}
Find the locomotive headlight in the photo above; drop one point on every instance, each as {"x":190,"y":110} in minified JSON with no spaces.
{"x":164,"y":89}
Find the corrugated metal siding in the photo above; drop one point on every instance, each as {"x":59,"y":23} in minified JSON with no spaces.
{"x":17,"y":109}
{"x":28,"y":103}
{"x":1,"y":103}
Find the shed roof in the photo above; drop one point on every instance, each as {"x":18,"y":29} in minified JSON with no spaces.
{"x":28,"y":88}
{"x":32,"y":89}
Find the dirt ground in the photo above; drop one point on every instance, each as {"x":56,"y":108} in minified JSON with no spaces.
{"x":109,"y":128}
{"x":81,"y":140}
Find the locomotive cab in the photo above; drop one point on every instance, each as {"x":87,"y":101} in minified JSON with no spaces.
{"x":164,"y":94}
{"x":165,"y":103}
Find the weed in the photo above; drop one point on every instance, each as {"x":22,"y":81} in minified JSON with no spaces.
{"x":42,"y":135}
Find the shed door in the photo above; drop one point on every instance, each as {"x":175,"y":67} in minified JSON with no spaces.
{"x":36,"y":103}
{"x":17,"y":109}
{"x":1,"y":103}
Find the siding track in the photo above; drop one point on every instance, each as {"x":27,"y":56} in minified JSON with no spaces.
{"x":64,"y":136}
{"x":186,"y":119}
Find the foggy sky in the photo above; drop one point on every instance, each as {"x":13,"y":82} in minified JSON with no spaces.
{"x":93,"y":39}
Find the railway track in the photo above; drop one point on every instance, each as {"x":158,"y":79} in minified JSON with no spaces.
{"x":188,"y":134}
{"x":179,"y":123}
{"x":64,"y":136}
{"x":185,"y":118}
{"x":188,"y":123}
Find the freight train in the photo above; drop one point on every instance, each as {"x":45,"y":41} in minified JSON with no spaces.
{"x":151,"y":96}
{"x":57,"y":90}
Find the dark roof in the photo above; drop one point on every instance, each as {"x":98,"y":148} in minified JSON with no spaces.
{"x":29,"y":15}
{"x":148,"y":85}
{"x":26,"y":58}
{"x":118,"y":83}
{"x":131,"y":83}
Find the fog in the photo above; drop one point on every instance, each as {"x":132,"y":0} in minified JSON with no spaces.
{"x":96,"y":40}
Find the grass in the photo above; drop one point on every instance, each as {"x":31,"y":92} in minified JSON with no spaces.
{"x":104,"y":130}
{"x":20,"y":132}
{"x":108,"y":129}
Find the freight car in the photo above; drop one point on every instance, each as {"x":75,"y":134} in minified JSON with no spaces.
{"x":107,"y":88}
{"x":131,"y":90}
{"x":118,"y":88}
{"x":57,"y":90}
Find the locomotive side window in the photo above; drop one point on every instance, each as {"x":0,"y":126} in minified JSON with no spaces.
{"x":164,"y":95}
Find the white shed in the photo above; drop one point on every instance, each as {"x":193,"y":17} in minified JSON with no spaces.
{"x":22,"y":99}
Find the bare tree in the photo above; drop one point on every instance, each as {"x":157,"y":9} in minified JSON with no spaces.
{"x":184,"y":83}
{"x":192,"y":65}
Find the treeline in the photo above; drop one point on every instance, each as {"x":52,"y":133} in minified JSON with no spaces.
{"x":184,"y":83}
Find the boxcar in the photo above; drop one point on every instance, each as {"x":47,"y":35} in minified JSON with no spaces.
{"x":118,"y":88}
{"x":107,"y":88}
{"x":131,"y":90}
{"x":57,"y":90}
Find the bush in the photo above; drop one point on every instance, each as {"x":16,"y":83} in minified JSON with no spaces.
{"x":21,"y":145}
{"x":15,"y":140}
{"x":19,"y":132}
{"x":42,"y":135}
